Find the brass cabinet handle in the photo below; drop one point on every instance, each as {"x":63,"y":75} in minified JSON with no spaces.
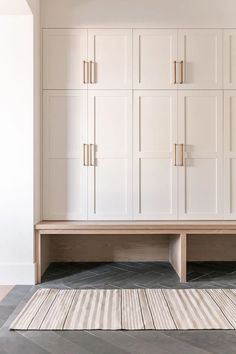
{"x":181,"y":155}
{"x":175,"y":82}
{"x":181,"y":72}
{"x":91,"y":154}
{"x":85,"y":72}
{"x":180,"y":149}
{"x":85,"y":155}
{"x":84,"y":69}
{"x":88,"y":75}
{"x":92,"y":72}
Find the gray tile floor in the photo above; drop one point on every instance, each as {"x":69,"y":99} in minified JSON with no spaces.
{"x":122,"y":275}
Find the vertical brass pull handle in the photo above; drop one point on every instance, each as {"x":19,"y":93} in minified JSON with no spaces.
{"x":175,"y":82}
{"x":181,"y":155}
{"x":91,"y":154}
{"x":92,"y":72}
{"x":181,"y":72}
{"x":87,"y":72}
{"x":85,"y":155}
{"x":178,"y":160}
{"x":174,"y":154}
{"x":84,"y":69}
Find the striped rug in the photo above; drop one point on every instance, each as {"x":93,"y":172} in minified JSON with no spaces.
{"x":128,"y":309}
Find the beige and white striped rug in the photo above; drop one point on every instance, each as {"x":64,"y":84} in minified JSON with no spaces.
{"x":128,"y":309}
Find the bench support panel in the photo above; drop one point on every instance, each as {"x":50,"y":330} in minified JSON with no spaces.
{"x":178,"y":255}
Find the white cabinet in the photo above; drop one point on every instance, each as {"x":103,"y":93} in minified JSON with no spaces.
{"x":230,"y":154}
{"x":201,"y":53}
{"x":64,"y":53}
{"x":110,"y":132}
{"x":64,"y":176}
{"x":102,"y":121}
{"x":80,"y":58}
{"x":154,"y":54}
{"x":110,"y":53}
{"x":153,"y":142}
{"x":177,"y":59}
{"x":200,"y":127}
{"x":155,"y":176}
{"x":230,"y":59}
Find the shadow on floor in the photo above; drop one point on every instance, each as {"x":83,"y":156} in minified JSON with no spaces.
{"x":138,"y":275}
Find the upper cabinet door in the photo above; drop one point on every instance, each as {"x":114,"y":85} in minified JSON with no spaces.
{"x":154,"y":175}
{"x":155,"y":53}
{"x":200,"y":126}
{"x":64,"y":173}
{"x":64,"y":59}
{"x":230,"y":59}
{"x":110,"y":173}
{"x":201,"y":54}
{"x":110,"y":57}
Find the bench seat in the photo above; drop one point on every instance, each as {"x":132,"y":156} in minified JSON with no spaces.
{"x":179,"y":231}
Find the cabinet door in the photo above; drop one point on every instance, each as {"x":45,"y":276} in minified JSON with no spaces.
{"x":201,"y":53}
{"x":64,"y":176}
{"x":155,"y":176}
{"x":230,"y":154}
{"x":154,"y":54}
{"x":64,"y":51}
{"x":111,"y":52}
{"x":110,"y":130}
{"x":200,"y":127}
{"x":230,"y":59}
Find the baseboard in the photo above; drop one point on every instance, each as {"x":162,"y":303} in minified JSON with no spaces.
{"x":17,"y":273}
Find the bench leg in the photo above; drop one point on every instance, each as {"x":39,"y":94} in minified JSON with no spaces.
{"x":38,"y":256}
{"x":178,"y":255}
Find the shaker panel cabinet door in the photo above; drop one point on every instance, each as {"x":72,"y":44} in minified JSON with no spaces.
{"x":110,"y":58}
{"x":201,"y":54}
{"x":64,"y":56}
{"x":110,"y":173}
{"x":200,"y":126}
{"x":155,"y":176}
{"x":155,"y":53}
{"x":230,"y":154}
{"x":64,"y":176}
{"x":230,"y":59}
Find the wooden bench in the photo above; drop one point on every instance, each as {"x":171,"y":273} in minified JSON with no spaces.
{"x":177,"y":230}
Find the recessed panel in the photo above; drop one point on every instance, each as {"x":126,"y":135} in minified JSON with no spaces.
{"x":229,"y":59}
{"x":201,"y":119}
{"x":201,"y":186}
{"x":155,"y":194}
{"x":62,"y":192}
{"x":111,"y":121}
{"x":201,"y":52}
{"x":64,"y":126}
{"x":155,"y":123}
{"x":63,"y":53}
{"x":110,"y":187}
{"x":155,"y":52}
{"x":111,"y":51}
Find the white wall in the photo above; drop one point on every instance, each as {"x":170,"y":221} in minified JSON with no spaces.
{"x":14,"y":7}
{"x":16,"y":149}
{"x":139,"y":13}
{"x":19,"y":143}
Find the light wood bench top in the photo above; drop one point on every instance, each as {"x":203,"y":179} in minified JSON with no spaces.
{"x":136,"y":225}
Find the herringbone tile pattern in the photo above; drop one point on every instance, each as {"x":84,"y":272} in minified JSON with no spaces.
{"x":139,"y":275}
{"x":124,"y":275}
